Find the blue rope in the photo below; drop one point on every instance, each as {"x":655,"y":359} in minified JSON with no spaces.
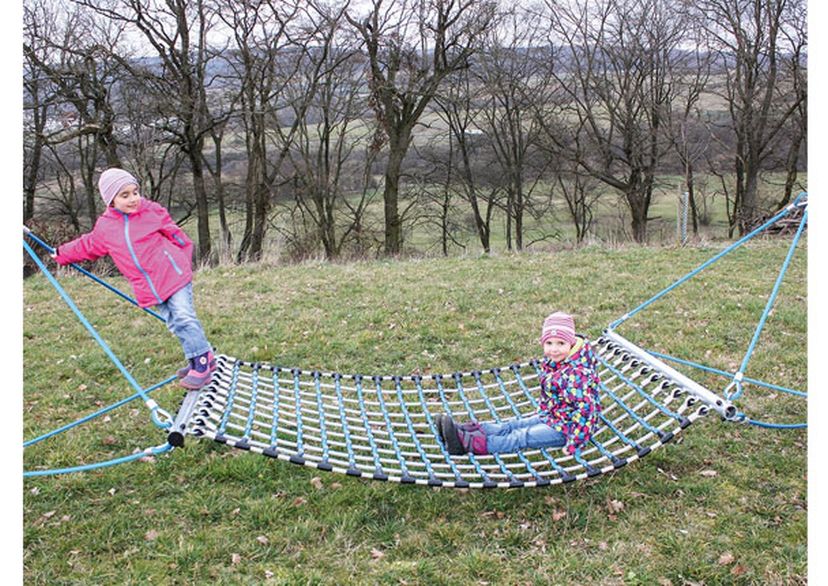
{"x":155,"y":410}
{"x":231,"y":397}
{"x":95,"y":278}
{"x":709,"y":262}
{"x":274,"y":427}
{"x":300,"y":445}
{"x":323,"y":429}
{"x":516,"y":412}
{"x":768,"y":307}
{"x":343,"y":421}
{"x":618,"y":432}
{"x":640,"y":391}
{"x":522,"y":384}
{"x":775,"y":425}
{"x":727,"y":374}
{"x":254,"y":397}
{"x":485,"y":396}
{"x":86,"y":467}
{"x":438,"y":380}
{"x":490,"y":407}
{"x":98,"y":413}
{"x":410,"y":425}
{"x":391,"y":435}
{"x":367,"y":425}
{"x":458,"y":381}
{"x":629,"y":411}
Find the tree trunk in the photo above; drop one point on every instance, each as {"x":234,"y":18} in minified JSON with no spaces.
{"x":791,"y":171}
{"x":202,"y":207}
{"x":30,"y":181}
{"x":391,"y":194}
{"x":690,"y":183}
{"x":638,"y":200}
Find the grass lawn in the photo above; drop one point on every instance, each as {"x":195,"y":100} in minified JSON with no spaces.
{"x":723,"y":504}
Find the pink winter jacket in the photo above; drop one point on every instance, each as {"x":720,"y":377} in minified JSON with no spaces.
{"x":149,"y":249}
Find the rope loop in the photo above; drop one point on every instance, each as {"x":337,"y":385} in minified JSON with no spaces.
{"x":157,"y":413}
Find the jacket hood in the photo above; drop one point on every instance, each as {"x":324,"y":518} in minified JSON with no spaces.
{"x":581,"y":354}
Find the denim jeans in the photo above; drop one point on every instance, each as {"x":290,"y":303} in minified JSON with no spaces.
{"x":523,"y":432}
{"x":179,"y":313}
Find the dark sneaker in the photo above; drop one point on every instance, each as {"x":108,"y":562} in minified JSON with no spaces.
{"x":448,"y":431}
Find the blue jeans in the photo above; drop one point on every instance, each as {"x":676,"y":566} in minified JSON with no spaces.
{"x":179,"y":313}
{"x":523,"y":432}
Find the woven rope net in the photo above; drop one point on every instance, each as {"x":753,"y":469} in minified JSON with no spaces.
{"x":383,"y":428}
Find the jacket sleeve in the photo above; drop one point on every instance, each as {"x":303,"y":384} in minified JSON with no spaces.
{"x":171,"y":230}
{"x":582,"y":407}
{"x":86,"y":247}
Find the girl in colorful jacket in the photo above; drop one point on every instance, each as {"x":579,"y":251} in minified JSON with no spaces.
{"x":569,"y":407}
{"x":155,"y":256}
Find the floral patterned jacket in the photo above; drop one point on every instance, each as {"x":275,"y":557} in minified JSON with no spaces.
{"x":569,"y":400}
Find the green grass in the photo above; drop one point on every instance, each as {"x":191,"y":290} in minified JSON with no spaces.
{"x":723,"y":504}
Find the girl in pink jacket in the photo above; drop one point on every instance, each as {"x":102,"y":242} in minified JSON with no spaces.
{"x":155,"y":256}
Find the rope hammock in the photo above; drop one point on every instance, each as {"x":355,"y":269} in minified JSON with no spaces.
{"x":383,"y":427}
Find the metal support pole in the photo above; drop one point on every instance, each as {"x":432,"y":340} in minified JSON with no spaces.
{"x":722,"y":406}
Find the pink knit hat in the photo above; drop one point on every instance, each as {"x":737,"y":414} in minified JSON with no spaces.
{"x":558,"y":325}
{"x":112,"y":181}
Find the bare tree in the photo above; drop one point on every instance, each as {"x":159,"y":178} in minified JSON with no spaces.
{"x":259,"y":35}
{"x":37,"y":99}
{"x":412,"y":46}
{"x":330,"y":131}
{"x":457,"y":107}
{"x":177,"y":32}
{"x":513,"y":76}
{"x":434,"y":185}
{"x":76,"y":53}
{"x":756,"y":42}
{"x":614,"y":76}
{"x":580,"y":195}
{"x":795,"y":72}
{"x":281,"y":51}
{"x":688,"y":125}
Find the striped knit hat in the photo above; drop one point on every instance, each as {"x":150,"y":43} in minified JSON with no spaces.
{"x":112,"y":181}
{"x":558,"y":325}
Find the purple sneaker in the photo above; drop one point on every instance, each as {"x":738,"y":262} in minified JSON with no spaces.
{"x":201,"y":372}
{"x":185,"y":370}
{"x":473,"y":441}
{"x":469,"y":426}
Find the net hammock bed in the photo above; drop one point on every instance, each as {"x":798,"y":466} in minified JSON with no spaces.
{"x":384,"y":428}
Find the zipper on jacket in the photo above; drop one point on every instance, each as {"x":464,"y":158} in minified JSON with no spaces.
{"x":135,"y":259}
{"x":172,"y":262}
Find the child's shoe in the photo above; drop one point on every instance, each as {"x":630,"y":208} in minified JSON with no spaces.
{"x":448,"y":433}
{"x":200,"y":373}
{"x":469,"y":426}
{"x":185,"y":370}
{"x":473,"y":440}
